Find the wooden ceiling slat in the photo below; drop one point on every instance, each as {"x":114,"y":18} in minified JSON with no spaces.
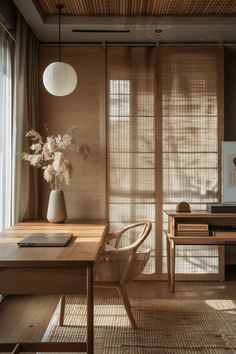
{"x":100,"y":9}
{"x":95,"y":8}
{"x":218,"y":7}
{"x":76,"y":8}
{"x":147,"y":8}
{"x":163,"y":6}
{"x":168,"y":7}
{"x":127,"y":7}
{"x":208,"y":7}
{"x":186,"y":6}
{"x":121,"y":7}
{"x":104,"y":6}
{"x":223,"y":7}
{"x":140,"y":7}
{"x":89,"y":6}
{"x":213,"y":6}
{"x":232,"y":10}
{"x":73,"y":7}
{"x":176,"y":8}
{"x":201,"y":8}
{"x":193,"y":9}
{"x":137,"y":6}
{"x":80,"y":7}
{"x":111,"y":6}
{"x":131,"y":6}
{"x":80,"y":3}
{"x":151,"y":8}
{"x":46,"y":6}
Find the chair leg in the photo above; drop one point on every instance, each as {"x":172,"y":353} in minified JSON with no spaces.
{"x":124,"y":297}
{"x":62,"y":310}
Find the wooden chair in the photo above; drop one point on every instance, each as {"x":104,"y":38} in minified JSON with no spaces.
{"x":117,"y":266}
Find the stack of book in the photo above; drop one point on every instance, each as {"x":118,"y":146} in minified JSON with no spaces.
{"x":198,"y":229}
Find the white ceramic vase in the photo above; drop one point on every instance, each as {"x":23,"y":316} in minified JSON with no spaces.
{"x":56,"y":207}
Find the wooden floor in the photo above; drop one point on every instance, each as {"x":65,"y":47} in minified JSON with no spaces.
{"x":25,"y":318}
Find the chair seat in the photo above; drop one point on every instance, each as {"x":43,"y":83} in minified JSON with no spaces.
{"x":112,"y":269}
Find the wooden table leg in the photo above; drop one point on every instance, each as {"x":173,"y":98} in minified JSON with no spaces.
{"x":168,"y":258}
{"x":90,"y":300}
{"x":172,"y":265}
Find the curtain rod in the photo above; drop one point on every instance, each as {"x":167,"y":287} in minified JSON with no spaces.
{"x":8,"y":32}
{"x":135,"y":44}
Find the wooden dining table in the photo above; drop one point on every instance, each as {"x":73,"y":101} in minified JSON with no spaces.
{"x":64,"y":270}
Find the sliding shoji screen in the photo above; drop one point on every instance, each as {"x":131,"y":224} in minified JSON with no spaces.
{"x":191,"y":90}
{"x":131,"y":139}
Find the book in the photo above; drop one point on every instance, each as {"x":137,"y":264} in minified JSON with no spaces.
{"x":192,"y":233}
{"x":222,"y":208}
{"x":225,"y":233}
{"x":197,"y":226}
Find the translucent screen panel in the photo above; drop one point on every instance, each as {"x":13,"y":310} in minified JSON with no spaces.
{"x":190,"y":139}
{"x":131,"y":140}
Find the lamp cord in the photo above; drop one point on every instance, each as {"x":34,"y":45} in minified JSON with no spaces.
{"x":59,"y":34}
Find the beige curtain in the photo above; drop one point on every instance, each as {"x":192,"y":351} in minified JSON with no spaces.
{"x":25,"y":117}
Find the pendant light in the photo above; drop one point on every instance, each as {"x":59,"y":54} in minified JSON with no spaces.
{"x":59,"y":78}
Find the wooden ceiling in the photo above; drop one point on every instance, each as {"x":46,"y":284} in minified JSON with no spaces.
{"x":139,"y":7}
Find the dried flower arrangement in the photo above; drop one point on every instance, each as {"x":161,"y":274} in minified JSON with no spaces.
{"x":50,"y":155}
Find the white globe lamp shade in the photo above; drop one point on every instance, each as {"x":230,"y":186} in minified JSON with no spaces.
{"x":59,"y":79}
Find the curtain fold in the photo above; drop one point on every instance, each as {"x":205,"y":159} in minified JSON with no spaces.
{"x":25,"y":117}
{"x":6,"y":71}
{"x":6,"y":55}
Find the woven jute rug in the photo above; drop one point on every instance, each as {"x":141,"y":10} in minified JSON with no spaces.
{"x":165,"y":326}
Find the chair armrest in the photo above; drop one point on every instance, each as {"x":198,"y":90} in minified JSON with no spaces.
{"x":113,"y":235}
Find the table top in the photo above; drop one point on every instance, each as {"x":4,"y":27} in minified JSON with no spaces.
{"x":200,"y":213}
{"x":198,"y":240}
{"x":80,"y":251}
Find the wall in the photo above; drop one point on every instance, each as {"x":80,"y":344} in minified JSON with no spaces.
{"x":85,"y":107}
{"x":85,"y":197}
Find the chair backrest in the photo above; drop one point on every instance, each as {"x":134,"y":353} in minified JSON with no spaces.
{"x":147,"y":226}
{"x":123,"y":264}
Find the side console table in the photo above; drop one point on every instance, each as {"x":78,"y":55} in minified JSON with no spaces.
{"x":212,"y":219}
